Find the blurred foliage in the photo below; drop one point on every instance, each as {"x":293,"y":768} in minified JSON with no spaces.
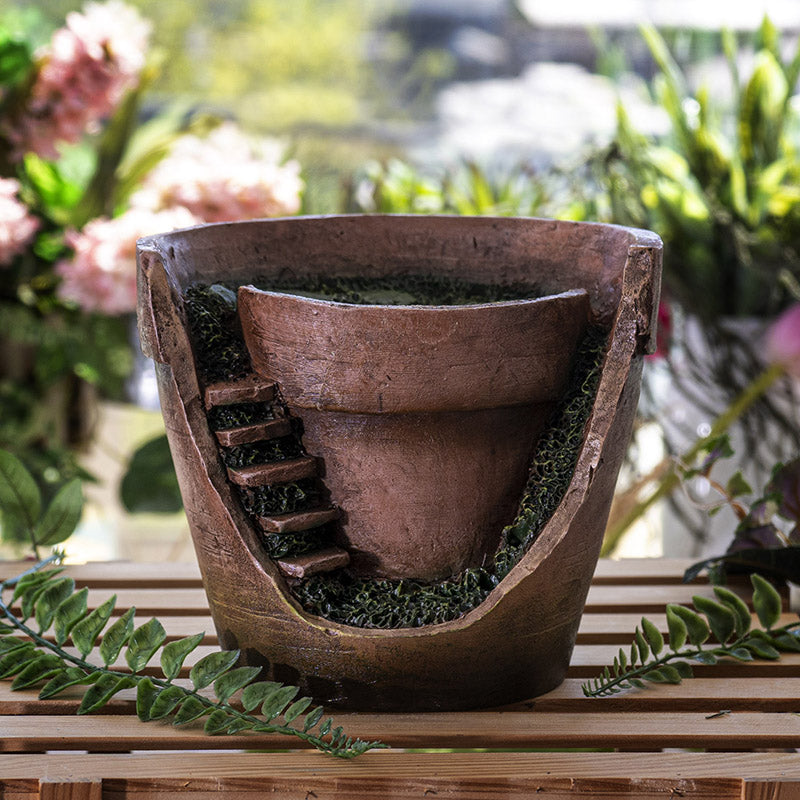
{"x":723,"y":189}
{"x":399,"y":188}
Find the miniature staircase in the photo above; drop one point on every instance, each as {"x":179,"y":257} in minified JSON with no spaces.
{"x":227,"y":396}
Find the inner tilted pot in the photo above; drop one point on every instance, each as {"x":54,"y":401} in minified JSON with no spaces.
{"x":389,"y":493}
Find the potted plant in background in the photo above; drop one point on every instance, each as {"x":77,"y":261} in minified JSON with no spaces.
{"x":721,"y":189}
{"x":82,"y":177}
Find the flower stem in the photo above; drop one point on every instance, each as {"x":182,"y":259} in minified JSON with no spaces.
{"x":746,"y":398}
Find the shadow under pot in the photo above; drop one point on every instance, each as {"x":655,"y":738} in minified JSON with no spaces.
{"x":397,"y":440}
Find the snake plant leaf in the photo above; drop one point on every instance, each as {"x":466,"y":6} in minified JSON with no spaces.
{"x":68,"y":614}
{"x":50,"y":599}
{"x":228,"y":684}
{"x":720,"y":618}
{"x":102,"y":690}
{"x":256,"y":693}
{"x":20,"y":498}
{"x":174,"y":654}
{"x":116,"y":636}
{"x":62,"y":515}
{"x":144,"y":642}
{"x":766,"y":601}
{"x":741,"y":612}
{"x":36,"y":671}
{"x":209,"y":668}
{"x":85,"y":632}
{"x":696,"y":627}
{"x":166,"y":701}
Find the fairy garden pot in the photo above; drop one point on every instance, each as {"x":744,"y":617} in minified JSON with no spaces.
{"x":397,"y":440}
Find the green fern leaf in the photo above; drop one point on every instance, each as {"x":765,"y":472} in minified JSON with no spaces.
{"x":85,"y":633}
{"x":144,"y":642}
{"x":174,"y":654}
{"x":228,"y":684}
{"x":208,"y":669}
{"x":69,"y":612}
{"x":116,"y":637}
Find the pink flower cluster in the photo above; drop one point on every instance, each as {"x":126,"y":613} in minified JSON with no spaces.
{"x":17,"y":226}
{"x":101,"y":276}
{"x":82,"y":75}
{"x":225,"y":176}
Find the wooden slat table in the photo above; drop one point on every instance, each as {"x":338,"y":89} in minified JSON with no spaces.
{"x":663,"y":741}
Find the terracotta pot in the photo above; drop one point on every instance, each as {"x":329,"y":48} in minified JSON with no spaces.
{"x":420,"y":423}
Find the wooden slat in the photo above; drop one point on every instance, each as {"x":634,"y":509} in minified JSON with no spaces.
{"x":511,"y":730}
{"x":308,"y":564}
{"x":121,"y":574}
{"x":298,"y":520}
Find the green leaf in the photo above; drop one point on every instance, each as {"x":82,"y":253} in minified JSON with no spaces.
{"x":174,"y":654}
{"x":739,"y":608}
{"x":16,"y":59}
{"x":781,"y":563}
{"x":644,"y":647}
{"x":27,"y":583}
{"x":208,"y":669}
{"x":115,"y":637}
{"x":102,"y":690}
{"x":144,"y":642}
{"x":277,"y":701}
{"x":228,"y":684}
{"x":146,"y":693}
{"x":240,"y":724}
{"x":150,"y":484}
{"x":787,"y":641}
{"x":71,"y":676}
{"x":705,"y":658}
{"x":217,"y":722}
{"x":653,"y":636}
{"x":721,"y":619}
{"x":255,"y":694}
{"x":296,"y":709}
{"x":68,"y":614}
{"x":696,"y":626}
{"x":761,"y":649}
{"x":41,"y":668}
{"x":50,"y":599}
{"x":740,"y":654}
{"x":737,"y":485}
{"x":62,"y":515}
{"x":677,"y":629}
{"x":20,"y":499}
{"x":191,"y":709}
{"x":684,"y":669}
{"x":14,"y":661}
{"x":663,"y":674}
{"x":313,"y":718}
{"x":766,"y":601}
{"x":85,"y":633}
{"x":166,"y":701}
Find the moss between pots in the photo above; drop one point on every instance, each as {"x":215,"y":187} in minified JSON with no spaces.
{"x":220,"y":354}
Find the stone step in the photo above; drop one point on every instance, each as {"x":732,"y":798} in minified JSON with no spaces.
{"x":271,"y":429}
{"x":308,"y":564}
{"x":298,"y":520}
{"x":275,"y":472}
{"x":251,"y":389}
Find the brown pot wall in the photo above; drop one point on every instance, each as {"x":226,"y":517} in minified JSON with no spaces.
{"x":517,"y":643}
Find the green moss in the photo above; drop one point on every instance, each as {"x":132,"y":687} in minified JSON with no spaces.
{"x":263,"y":452}
{"x":283,"y":498}
{"x":426,"y":290}
{"x":220,"y":352}
{"x":237,"y":415}
{"x":407,"y":603}
{"x":285,"y":545}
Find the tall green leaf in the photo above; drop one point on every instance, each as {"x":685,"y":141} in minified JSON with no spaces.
{"x":20,"y":499}
{"x":62,"y":515}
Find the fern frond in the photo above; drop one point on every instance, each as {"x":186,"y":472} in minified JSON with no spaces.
{"x":34,"y":655}
{"x":727,"y":618}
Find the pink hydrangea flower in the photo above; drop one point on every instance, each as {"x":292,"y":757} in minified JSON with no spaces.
{"x":82,"y":75}
{"x":101,"y":275}
{"x":17,"y":226}
{"x":783,"y":341}
{"x":223,"y":177}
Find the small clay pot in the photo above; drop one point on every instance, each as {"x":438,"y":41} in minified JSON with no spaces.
{"x":420,"y":423}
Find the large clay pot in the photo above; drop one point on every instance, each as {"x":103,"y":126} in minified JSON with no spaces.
{"x":420,"y":423}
